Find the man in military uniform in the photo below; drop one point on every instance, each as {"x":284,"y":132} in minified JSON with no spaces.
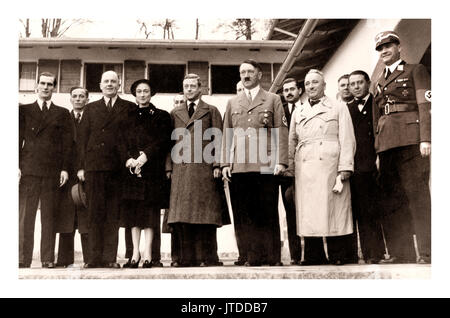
{"x":255,"y":149}
{"x":402,"y":125}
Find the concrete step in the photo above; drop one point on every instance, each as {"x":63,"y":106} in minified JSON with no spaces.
{"x":229,"y":271}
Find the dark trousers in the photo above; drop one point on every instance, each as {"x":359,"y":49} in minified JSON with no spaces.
{"x":254,"y":198}
{"x":66,"y":248}
{"x":198,"y":243}
{"x":103,"y":193}
{"x":404,"y":178}
{"x":367,"y":214}
{"x":337,"y":247}
{"x":31,"y":189}
{"x":295,"y":246}
{"x":156,"y":243}
{"x":175,"y":246}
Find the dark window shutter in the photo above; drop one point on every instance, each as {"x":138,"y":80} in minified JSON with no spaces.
{"x":70,"y":75}
{"x":266,"y":79}
{"x":201,"y":69}
{"x":134,"y":70}
{"x":48,"y":66}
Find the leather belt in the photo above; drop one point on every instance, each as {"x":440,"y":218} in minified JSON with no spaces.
{"x":395,"y":108}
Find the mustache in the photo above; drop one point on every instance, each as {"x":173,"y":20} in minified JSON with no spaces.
{"x":246,"y":78}
{"x":290,"y":95}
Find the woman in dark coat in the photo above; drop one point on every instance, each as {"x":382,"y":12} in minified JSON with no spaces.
{"x":144,"y":146}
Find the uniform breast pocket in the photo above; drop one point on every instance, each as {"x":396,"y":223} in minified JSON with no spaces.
{"x":404,"y":89}
{"x":265,"y":118}
{"x":235,"y":115}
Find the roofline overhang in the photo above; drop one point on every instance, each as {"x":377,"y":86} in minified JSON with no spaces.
{"x":142,"y":43}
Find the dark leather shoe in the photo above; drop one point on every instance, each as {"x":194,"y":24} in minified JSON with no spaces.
{"x":203,"y":264}
{"x":147,"y":264}
{"x":424,"y":260}
{"x":91,"y":265}
{"x":127,"y":264}
{"x":175,"y":264}
{"x":218,"y":263}
{"x":48,"y":265}
{"x":135,"y":264}
{"x":337,"y":262}
{"x":240,"y":263}
{"x":112,"y":265}
{"x":250,"y":264}
{"x":23,"y":265}
{"x":157,"y":264}
{"x":371,"y":261}
{"x":312,"y":263}
{"x":276,"y":264}
{"x":295,"y":262}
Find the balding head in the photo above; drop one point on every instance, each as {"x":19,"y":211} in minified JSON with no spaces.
{"x":315,"y":84}
{"x":109,"y":84}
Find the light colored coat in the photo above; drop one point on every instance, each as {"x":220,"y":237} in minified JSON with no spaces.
{"x":321,"y":144}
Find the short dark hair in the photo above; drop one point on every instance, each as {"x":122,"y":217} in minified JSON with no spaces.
{"x":253,"y":63}
{"x":291,"y":80}
{"x":193,"y":76}
{"x":345,"y":76}
{"x":79,"y":87}
{"x":359,"y":72}
{"x":48,"y":74}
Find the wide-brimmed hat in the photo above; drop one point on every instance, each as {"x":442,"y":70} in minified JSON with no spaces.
{"x":135,"y":84}
{"x":78,"y":195}
{"x":386,"y":37}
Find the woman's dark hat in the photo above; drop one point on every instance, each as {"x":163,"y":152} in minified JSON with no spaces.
{"x":79,"y":196}
{"x":135,"y":84}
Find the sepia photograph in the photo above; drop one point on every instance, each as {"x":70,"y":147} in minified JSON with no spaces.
{"x":198,"y":152}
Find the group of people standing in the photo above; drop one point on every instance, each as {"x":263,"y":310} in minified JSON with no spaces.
{"x":358,"y":165}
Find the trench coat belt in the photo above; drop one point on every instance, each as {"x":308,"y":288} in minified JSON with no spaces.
{"x":315,"y":139}
{"x":395,"y":108}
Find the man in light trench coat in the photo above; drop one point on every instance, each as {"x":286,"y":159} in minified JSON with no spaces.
{"x":321,"y":150}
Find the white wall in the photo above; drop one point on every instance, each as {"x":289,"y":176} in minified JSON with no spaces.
{"x":357,"y":52}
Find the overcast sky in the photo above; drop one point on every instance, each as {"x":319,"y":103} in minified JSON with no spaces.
{"x":129,"y":28}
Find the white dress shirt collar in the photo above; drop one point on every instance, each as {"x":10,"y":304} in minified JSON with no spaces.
{"x":195,"y":102}
{"x":393,"y":66}
{"x":41,"y":102}
{"x":254,"y":91}
{"x":113,"y":100}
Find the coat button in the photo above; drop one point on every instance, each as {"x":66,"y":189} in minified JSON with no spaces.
{"x":249,"y":113}
{"x":249,"y":119}
{"x":32,"y":128}
{"x":320,"y":143}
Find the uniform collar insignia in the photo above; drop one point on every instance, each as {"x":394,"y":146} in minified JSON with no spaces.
{"x":400,"y":67}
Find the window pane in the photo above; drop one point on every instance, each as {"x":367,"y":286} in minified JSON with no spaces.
{"x":166,"y":78}
{"x":27,"y":76}
{"x":93,"y":73}
{"x":224,"y":79}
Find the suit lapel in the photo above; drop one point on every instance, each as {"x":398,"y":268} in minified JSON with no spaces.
{"x":118,"y":109}
{"x":398,"y":70}
{"x":48,"y":118}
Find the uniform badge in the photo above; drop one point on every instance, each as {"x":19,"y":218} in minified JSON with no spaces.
{"x":405,"y":92}
{"x":428,"y":95}
{"x":284,"y":120}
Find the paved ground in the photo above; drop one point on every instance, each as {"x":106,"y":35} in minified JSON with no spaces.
{"x":229,"y":271}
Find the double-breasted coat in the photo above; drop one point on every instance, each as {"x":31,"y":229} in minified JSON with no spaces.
{"x":321,"y":144}
{"x":195,"y":195}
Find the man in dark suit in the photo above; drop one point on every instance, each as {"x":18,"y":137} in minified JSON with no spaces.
{"x":45,"y":140}
{"x":69,"y":215}
{"x":100,"y":167}
{"x":255,"y":118}
{"x":366,"y":212}
{"x":402,"y":125}
{"x":291,"y":93}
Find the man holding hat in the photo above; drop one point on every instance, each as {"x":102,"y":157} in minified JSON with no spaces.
{"x":402,"y":126}
{"x":72,"y":213}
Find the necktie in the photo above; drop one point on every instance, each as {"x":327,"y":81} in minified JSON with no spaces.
{"x":78,"y":118}
{"x":313,"y":102}
{"x":44,"y":107}
{"x":109,"y":106}
{"x":388,"y":73}
{"x":360,"y":104}
{"x":191,"y":109}
{"x":250,"y":97}
{"x":292,"y":108}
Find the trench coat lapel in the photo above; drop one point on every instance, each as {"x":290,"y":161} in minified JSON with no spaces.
{"x":201,"y":111}
{"x":311,"y":112}
{"x":182,"y":113}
